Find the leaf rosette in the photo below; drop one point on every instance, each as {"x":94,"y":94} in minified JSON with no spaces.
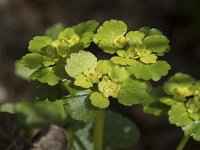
{"x":61,"y":57}
{"x":105,"y":79}
{"x":49,"y":53}
{"x":182,"y":94}
{"x":137,"y":50}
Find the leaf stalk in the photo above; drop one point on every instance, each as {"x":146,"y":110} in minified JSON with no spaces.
{"x":183,"y":142}
{"x":99,"y":129}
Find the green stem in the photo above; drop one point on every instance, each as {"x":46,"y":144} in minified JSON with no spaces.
{"x":183,"y":143}
{"x":99,"y":130}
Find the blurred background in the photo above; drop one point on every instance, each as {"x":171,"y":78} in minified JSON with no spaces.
{"x":179,"y":20}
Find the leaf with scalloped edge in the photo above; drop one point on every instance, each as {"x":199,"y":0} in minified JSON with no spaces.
{"x":79,"y":62}
{"x":149,"y":71}
{"x":104,"y":66}
{"x":54,"y":30}
{"x":84,"y":27}
{"x":150,"y":31}
{"x":86,"y":31}
{"x":123,"y":61}
{"x":67,"y":33}
{"x":132,"y":92}
{"x":135,"y":37}
{"x":118,"y":74}
{"x":82,"y":81}
{"x":40,"y":114}
{"x":75,"y":90}
{"x":152,"y":104}
{"x":42,"y":92}
{"x":50,"y":75}
{"x":151,"y":58}
{"x":32,"y":60}
{"x":193,"y":130}
{"x":179,"y":80}
{"x":38,"y":42}
{"x":98,"y":100}
{"x":157,"y":43}
{"x":22,"y":71}
{"x":107,"y":33}
{"x":80,"y":108}
{"x":178,"y":115}
{"x":120,"y":132}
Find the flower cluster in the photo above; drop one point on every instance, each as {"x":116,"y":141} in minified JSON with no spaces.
{"x":61,"y":55}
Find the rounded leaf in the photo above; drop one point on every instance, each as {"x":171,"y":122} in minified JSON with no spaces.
{"x":118,"y":74}
{"x":179,"y":116}
{"x":98,"y":100}
{"x":132,"y":92}
{"x":149,"y":71}
{"x":32,"y":60}
{"x":193,"y":130}
{"x":149,"y":59}
{"x":104,"y":66}
{"x":120,"y":132}
{"x":38,"y":42}
{"x":80,"y":62}
{"x":54,"y":30}
{"x":156,"y":43}
{"x":110,"y":32}
{"x":135,"y":37}
{"x":152,"y":104}
{"x":82,"y":81}
{"x":179,"y":80}
{"x":79,"y":108}
{"x":123,"y":61}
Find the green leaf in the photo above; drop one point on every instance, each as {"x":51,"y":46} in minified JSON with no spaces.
{"x":50,"y":56}
{"x":149,"y":59}
{"x":123,"y":61}
{"x":82,"y":81}
{"x":38,"y":43}
{"x":98,"y":100}
{"x":86,"y":31}
{"x":75,"y":90}
{"x":135,"y":37}
{"x":84,"y":27}
{"x":82,"y":138}
{"x":79,"y":62}
{"x":67,"y":34}
{"x":22,"y":71}
{"x":44,"y":92}
{"x":118,"y":74}
{"x":32,"y":60}
{"x":132,"y":92}
{"x":147,"y":31}
{"x":50,"y":75}
{"x":110,"y":36}
{"x":179,"y":116}
{"x":152,"y":105}
{"x":104,"y":66}
{"x":54,"y":30}
{"x":156,"y":43}
{"x":179,"y":81}
{"x":193,"y":130}
{"x":120,"y":132}
{"x":80,"y":108}
{"x":149,"y":71}
{"x":34,"y":114}
{"x":168,"y":101}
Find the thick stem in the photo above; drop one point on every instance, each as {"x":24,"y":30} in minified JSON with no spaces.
{"x":99,"y":130}
{"x":183,"y":143}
